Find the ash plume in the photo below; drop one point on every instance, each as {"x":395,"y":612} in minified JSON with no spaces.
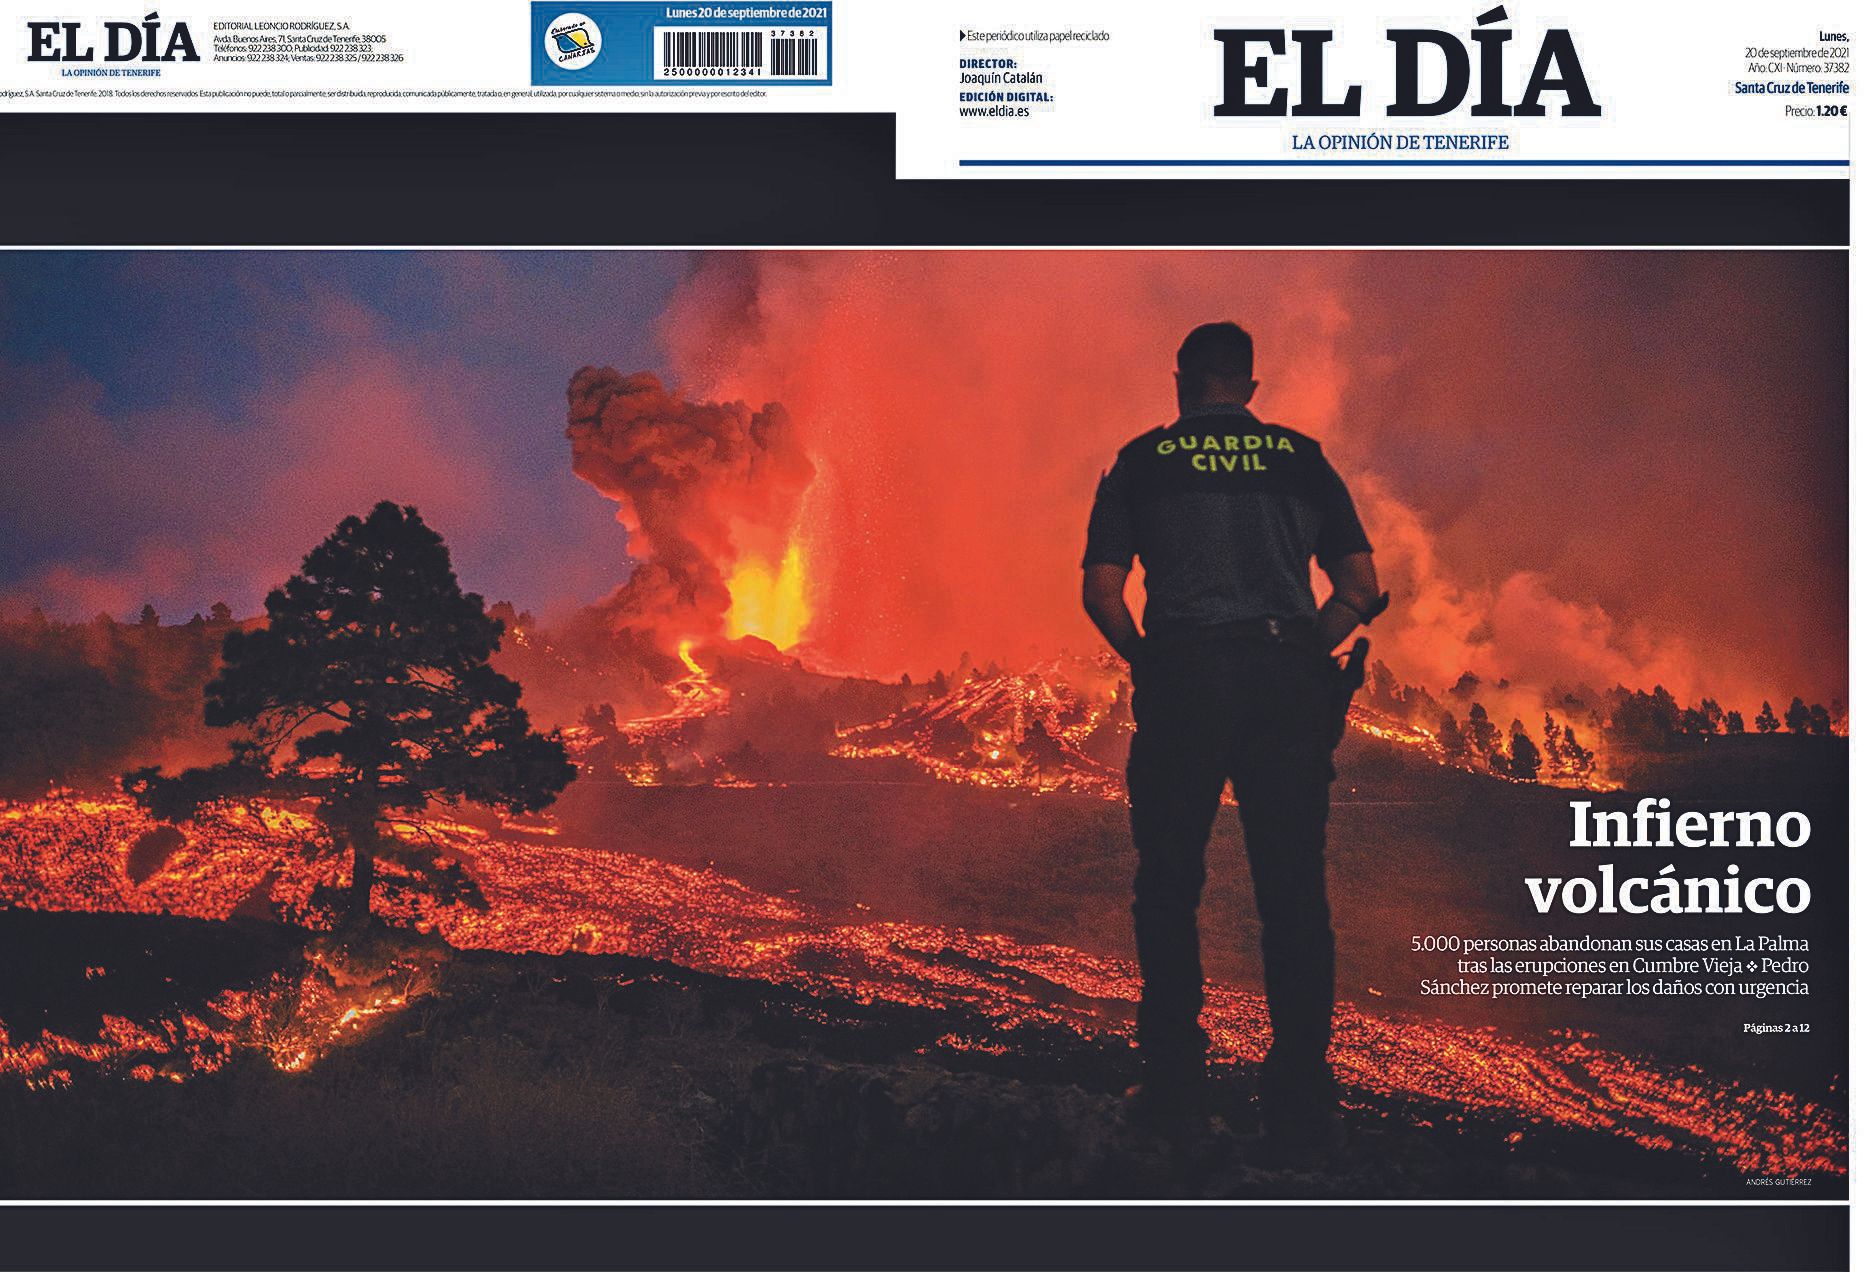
{"x":701,"y":486}
{"x":1576,"y":468}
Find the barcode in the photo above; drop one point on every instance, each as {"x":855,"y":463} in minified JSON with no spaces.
{"x":733,"y":53}
{"x":793,"y":57}
{"x":713,"y":50}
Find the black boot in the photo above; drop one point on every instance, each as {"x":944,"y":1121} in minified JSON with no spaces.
{"x":1171,"y":1090}
{"x":1302,"y":1126}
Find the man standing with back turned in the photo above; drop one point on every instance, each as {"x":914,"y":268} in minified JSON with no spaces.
{"x":1233,"y":681}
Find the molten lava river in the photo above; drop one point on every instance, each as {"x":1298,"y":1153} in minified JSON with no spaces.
{"x":75,"y":854}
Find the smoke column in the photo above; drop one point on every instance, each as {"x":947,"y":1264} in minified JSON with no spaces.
{"x":1576,"y":468}
{"x":702,"y":485}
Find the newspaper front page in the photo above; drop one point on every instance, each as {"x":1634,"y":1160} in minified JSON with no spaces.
{"x":860,"y":635}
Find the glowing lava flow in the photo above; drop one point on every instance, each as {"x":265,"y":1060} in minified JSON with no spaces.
{"x":70,"y":854}
{"x":1032,"y":731}
{"x":695,"y":694}
{"x":1062,"y":726}
{"x":1038,"y":731}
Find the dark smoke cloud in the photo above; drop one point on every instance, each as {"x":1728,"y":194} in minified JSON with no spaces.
{"x":700,"y":484}
{"x":1576,"y":467}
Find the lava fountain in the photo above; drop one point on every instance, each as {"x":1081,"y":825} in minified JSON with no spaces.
{"x":769,"y":601}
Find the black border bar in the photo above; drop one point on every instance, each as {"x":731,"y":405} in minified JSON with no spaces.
{"x":828,"y":1238}
{"x":612,"y":179}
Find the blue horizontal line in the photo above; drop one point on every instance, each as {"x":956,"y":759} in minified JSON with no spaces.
{"x":1393,"y":163}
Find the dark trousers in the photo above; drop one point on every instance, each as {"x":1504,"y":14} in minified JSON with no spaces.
{"x":1253,"y":713}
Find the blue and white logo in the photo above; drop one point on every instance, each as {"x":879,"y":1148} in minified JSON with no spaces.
{"x":675,"y":43}
{"x":572,"y":41}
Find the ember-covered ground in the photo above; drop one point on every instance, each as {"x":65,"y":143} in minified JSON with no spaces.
{"x":729,"y":1016}
{"x":609,"y":1076}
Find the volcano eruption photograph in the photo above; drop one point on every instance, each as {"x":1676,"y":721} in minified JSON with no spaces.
{"x":613,"y":725}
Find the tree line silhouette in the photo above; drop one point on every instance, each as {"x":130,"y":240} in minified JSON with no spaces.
{"x":1621,"y":719}
{"x":80,"y":703}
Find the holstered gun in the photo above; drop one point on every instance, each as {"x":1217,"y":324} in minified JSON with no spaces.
{"x":1350,"y":675}
{"x":1351,"y":672}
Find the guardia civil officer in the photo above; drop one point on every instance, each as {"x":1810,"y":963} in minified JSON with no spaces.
{"x":1234,"y":681}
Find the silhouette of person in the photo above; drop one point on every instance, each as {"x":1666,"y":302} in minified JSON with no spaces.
{"x":1233,"y":681}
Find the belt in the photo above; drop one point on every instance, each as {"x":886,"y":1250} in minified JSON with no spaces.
{"x":1267,"y":630}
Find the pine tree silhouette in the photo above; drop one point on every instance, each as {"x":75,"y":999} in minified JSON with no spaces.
{"x":369,"y":692}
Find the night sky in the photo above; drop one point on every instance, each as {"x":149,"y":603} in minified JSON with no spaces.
{"x":1577,"y":467}
{"x":181,"y":427}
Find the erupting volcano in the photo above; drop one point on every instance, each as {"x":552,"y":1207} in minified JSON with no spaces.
{"x":707,"y":490}
{"x":801,"y":607}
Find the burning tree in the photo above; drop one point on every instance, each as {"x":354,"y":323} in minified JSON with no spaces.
{"x":369,"y":692}
{"x":1485,"y":738}
{"x":1451,"y":737}
{"x":1525,"y":761}
{"x":1551,"y":746}
{"x":1577,"y":759}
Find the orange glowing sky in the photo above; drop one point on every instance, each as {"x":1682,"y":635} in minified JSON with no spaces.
{"x":1606,"y":467}
{"x":1576,"y":466}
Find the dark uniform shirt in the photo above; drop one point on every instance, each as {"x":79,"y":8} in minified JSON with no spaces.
{"x":1225,"y":513}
